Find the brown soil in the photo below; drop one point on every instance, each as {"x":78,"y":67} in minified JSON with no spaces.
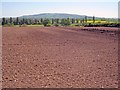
{"x":59,"y":57}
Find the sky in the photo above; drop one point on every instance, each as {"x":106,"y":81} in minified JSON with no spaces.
{"x":15,"y":8}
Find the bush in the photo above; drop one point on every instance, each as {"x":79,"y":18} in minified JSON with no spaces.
{"x":102,"y":25}
{"x":23,"y":25}
{"x":8,"y":25}
{"x":77,"y":25}
{"x":48,"y":25}
{"x":46,"y":22}
{"x":65,"y":22}
{"x":56,"y":25}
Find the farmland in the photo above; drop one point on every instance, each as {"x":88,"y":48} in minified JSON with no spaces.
{"x":60,"y":57}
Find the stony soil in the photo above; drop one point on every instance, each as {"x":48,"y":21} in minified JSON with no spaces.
{"x":59,"y":57}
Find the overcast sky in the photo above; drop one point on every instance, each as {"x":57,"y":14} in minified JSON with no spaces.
{"x":105,"y":8}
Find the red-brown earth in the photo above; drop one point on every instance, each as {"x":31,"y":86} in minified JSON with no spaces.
{"x":59,"y":57}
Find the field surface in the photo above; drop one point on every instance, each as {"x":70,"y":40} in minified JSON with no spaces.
{"x":55,"y":57}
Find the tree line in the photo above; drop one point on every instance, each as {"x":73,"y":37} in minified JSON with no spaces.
{"x":48,"y":22}
{"x":64,"y":21}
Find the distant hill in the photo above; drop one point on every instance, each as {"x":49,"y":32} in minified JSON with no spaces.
{"x":62,"y":15}
{"x":55,"y":15}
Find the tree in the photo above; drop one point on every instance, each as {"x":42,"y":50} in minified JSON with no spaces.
{"x":62,"y":22}
{"x":57,"y":20}
{"x":30,"y":21}
{"x":68,"y":21}
{"x":41,"y":20}
{"x":11,"y":20}
{"x":86,"y":19}
{"x":46,"y":22}
{"x":6,"y":21}
{"x":17,"y":21}
{"x":65,"y":22}
{"x":93,"y":19}
{"x":26,"y":21}
{"x":52,"y":21}
{"x":77,"y":20}
{"x":23,"y":21}
{"x":36,"y":21}
{"x":14,"y":22}
{"x":3,"y":21}
{"x":83,"y":20}
{"x":73,"y":21}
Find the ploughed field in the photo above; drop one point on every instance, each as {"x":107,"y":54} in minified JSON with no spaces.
{"x":59,"y":57}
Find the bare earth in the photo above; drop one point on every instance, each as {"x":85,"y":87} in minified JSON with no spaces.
{"x":55,"y":57}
